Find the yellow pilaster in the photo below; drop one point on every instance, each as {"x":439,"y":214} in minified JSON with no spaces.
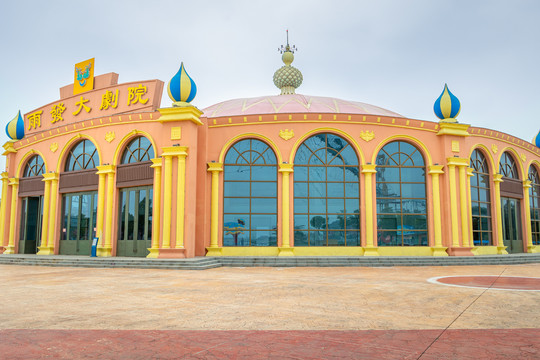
{"x":437,"y":250}
{"x":180,"y":196}
{"x":53,"y":178}
{"x":470,"y":173}
{"x":156,"y":217}
{"x":464,"y":208}
{"x":14,"y":183}
{"x":44,"y":249}
{"x":285,"y":249}
{"x":527,"y":203}
{"x":497,"y":179}
{"x":3,"y":206}
{"x":167,"y":202}
{"x":453,"y":204}
{"x":214,"y":249}
{"x":102,"y":173}
{"x":105,"y":247}
{"x":368,"y":170}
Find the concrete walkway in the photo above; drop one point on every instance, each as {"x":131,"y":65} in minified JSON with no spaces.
{"x":252,"y":313}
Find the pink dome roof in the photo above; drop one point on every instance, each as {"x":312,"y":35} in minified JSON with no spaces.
{"x":296,"y":103}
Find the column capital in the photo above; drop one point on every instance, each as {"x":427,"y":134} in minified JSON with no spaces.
{"x":454,"y":129}
{"x":286,"y":168}
{"x":174,"y":151}
{"x":5,"y":175}
{"x":156,"y":163}
{"x":215,"y":166}
{"x":9,"y":148}
{"x":50,"y":176}
{"x":470,"y":171}
{"x":497,"y":178}
{"x":435,"y":169}
{"x":369,"y":169}
{"x":456,"y":161}
{"x":13,"y":181}
{"x":184,"y":113}
{"x":105,"y":169}
{"x":527,"y":184}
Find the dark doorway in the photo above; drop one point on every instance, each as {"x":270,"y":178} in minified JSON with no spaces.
{"x":511,"y":216}
{"x":31,"y":219}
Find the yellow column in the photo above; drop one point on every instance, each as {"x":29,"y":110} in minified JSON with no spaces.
{"x":3,"y":206}
{"x":105,"y":247}
{"x":438,"y":249}
{"x":44,"y":248}
{"x":214,"y":250}
{"x":156,"y":217}
{"x":102,"y":173}
{"x":453,"y":203}
{"x":470,"y":173}
{"x":285,"y":249}
{"x":53,"y":178}
{"x":180,"y":196}
{"x":167,"y":202}
{"x":464,"y":208}
{"x":368,"y":171}
{"x":497,"y":179}
{"x":527,"y":204}
{"x":14,"y":183}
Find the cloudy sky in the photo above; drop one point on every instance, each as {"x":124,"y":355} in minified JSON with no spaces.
{"x":395,"y":54}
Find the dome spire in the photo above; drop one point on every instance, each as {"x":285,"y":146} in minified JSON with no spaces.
{"x":287,"y":78}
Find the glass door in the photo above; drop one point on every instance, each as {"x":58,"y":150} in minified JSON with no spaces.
{"x":135,"y":227}
{"x":511,"y":216}
{"x":78,"y":223}
{"x":31,"y":218}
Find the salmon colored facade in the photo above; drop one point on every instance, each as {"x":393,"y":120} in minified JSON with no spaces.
{"x":173,"y":182}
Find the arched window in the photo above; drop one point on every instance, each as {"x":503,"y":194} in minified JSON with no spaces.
{"x":138,"y":149}
{"x":534,"y":193}
{"x":480,"y":200}
{"x":401,"y":196}
{"x":507,"y":166}
{"x":326,"y":193}
{"x":82,"y":156}
{"x":34,"y":167}
{"x":250,"y":195}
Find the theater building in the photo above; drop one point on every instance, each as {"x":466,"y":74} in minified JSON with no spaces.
{"x":279,"y":175}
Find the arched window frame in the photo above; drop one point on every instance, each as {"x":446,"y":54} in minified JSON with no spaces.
{"x":137,"y":150}
{"x":401,"y":220}
{"x":250,"y":169}
{"x":34,"y":167}
{"x":534,"y":199}
{"x":507,"y":166}
{"x":480,"y":184}
{"x":82,"y":156}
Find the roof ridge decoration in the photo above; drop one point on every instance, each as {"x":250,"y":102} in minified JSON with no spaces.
{"x":287,"y":78}
{"x":447,"y":106}
{"x":181,"y":88}
{"x":15,"y":128}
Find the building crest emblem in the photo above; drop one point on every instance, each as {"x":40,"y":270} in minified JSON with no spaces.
{"x":286,"y":134}
{"x":367,"y":135}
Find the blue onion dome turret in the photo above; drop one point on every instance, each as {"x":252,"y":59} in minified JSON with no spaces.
{"x":536,"y":140}
{"x":447,"y":106}
{"x":287,"y":78}
{"x":15,"y":128}
{"x":182,"y":88}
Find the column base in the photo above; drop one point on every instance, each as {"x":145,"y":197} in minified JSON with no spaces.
{"x":286,"y":251}
{"x":460,"y":251}
{"x":154,"y":253}
{"x":371,"y":251}
{"x":533,"y":249}
{"x":171,"y":253}
{"x":2,"y":249}
{"x":214,"y":251}
{"x":439,"y":251}
{"x":104,"y":251}
{"x":45,"y":250}
{"x":9,"y":249}
{"x":501,"y":250}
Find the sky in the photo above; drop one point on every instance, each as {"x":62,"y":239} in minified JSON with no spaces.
{"x":395,"y":54}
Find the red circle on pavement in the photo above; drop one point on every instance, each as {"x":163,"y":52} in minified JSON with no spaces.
{"x":492,"y":282}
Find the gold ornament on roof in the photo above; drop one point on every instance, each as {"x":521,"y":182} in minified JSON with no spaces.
{"x":287,"y":78}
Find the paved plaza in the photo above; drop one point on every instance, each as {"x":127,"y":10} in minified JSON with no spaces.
{"x":267,"y":313}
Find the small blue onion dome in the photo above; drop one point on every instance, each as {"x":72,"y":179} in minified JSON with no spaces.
{"x":447,"y":106}
{"x":15,"y":128}
{"x":536,"y":140}
{"x":181,"y":87}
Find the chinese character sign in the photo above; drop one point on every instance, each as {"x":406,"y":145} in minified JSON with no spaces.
{"x":34,"y":120}
{"x":56,"y":112}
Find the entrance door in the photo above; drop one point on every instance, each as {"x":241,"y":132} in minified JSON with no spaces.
{"x":31,"y":217}
{"x":511,"y":217}
{"x":78,"y":223}
{"x":135,"y":228}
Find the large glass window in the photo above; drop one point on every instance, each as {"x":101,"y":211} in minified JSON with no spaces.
{"x":507,"y":166}
{"x":78,"y":222}
{"x":250,"y":195}
{"x":82,"y":156}
{"x":34,"y":167}
{"x":480,"y":200}
{"x":326,"y":193}
{"x":138,"y":149}
{"x":534,"y":194}
{"x":401,"y":196}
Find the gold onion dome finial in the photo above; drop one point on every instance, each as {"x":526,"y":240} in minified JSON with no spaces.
{"x":287,"y":78}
